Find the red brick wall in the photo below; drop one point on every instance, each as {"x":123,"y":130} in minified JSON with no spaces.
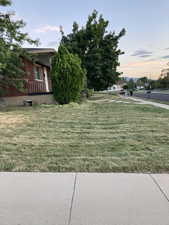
{"x":12,"y":91}
{"x":32,"y":85}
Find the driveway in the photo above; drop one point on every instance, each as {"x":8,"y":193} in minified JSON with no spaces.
{"x":84,"y":199}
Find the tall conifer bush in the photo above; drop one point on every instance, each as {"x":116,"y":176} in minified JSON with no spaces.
{"x":67,"y":76}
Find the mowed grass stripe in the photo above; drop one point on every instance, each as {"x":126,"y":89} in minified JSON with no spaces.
{"x":96,"y":136}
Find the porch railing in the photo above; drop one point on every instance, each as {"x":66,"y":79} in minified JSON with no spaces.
{"x":37,"y":86}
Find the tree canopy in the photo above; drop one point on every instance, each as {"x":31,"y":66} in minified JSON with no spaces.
{"x":163,"y":81}
{"x":5,"y":2}
{"x":11,"y":40}
{"x":98,"y":50}
{"x":131,"y":84}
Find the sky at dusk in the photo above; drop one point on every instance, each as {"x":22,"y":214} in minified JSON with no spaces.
{"x":146,"y":43}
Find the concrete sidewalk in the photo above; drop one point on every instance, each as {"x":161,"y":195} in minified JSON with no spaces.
{"x":146,"y":102}
{"x":84,"y":199}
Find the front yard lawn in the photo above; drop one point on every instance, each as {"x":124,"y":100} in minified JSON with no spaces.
{"x":100,"y":135}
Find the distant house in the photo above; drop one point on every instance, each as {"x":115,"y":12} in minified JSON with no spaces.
{"x":38,"y":86}
{"x":115,"y":87}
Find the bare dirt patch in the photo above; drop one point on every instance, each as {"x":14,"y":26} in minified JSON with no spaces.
{"x":11,"y":120}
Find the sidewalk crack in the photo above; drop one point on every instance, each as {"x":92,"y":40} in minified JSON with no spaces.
{"x":159,"y":187}
{"x":72,"y":200}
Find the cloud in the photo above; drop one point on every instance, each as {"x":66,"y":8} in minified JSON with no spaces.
{"x":144,"y":68}
{"x":145,"y":56}
{"x":52,"y":44}
{"x":47,"y":28}
{"x":142,"y":53}
{"x":133,"y":65}
{"x":165,"y":57}
{"x":166,"y":49}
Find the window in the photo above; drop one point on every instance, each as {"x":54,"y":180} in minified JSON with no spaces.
{"x":38,"y":73}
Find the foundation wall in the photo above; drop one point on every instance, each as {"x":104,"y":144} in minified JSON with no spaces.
{"x":19,"y":100}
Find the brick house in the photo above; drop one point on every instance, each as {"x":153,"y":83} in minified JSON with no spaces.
{"x":38,"y":87}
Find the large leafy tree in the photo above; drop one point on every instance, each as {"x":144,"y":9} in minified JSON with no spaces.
{"x":131,"y":84}
{"x":67,"y":76}
{"x":97,"y":49}
{"x":142,"y":81}
{"x":11,"y":52}
{"x":164,"y":81}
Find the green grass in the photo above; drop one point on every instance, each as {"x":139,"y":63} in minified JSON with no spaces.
{"x":96,"y":136}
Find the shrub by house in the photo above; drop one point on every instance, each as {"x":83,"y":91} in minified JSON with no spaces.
{"x":67,"y":76}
